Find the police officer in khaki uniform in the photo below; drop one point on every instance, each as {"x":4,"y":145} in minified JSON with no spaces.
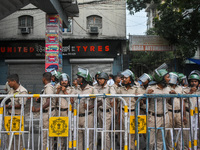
{"x":48,"y":89}
{"x":144,"y":83}
{"x":83,"y":78}
{"x":175,"y":89}
{"x":16,"y":88}
{"x":55,"y":79}
{"x":128,"y":88}
{"x":161,"y":76}
{"x":104,"y":88}
{"x":117,"y":79}
{"x":194,"y":80}
{"x":62,"y":103}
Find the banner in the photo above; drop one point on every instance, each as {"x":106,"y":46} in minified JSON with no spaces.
{"x":148,"y":43}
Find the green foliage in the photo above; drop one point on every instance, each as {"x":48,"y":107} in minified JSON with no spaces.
{"x":178,"y":22}
{"x":149,"y":61}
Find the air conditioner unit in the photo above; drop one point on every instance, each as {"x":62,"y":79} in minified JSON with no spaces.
{"x":25,"y":30}
{"x":94,"y":30}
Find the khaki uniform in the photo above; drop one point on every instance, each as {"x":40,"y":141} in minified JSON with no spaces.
{"x":106,"y":90}
{"x":193,"y":103}
{"x":160,"y":116}
{"x":64,"y":109}
{"x":17,"y":101}
{"x":141,"y":90}
{"x":82,"y":117}
{"x":116,"y":87}
{"x":131,"y":110}
{"x":177,"y":117}
{"x":48,"y":89}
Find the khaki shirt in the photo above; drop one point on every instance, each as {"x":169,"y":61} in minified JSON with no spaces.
{"x":132,"y":100}
{"x":18,"y":101}
{"x":64,"y":101}
{"x":179,"y":90}
{"x":49,"y":89}
{"x":106,"y":90}
{"x":55,"y":86}
{"x":193,"y":100}
{"x":158,"y":90}
{"x":141,"y":90}
{"x":116,"y":88}
{"x":87,"y":90}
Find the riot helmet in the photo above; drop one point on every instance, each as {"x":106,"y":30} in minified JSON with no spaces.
{"x":128,"y":73}
{"x":56,"y":74}
{"x":103,"y":75}
{"x":159,"y":75}
{"x":173,"y":78}
{"x":146,"y":77}
{"x":84,"y":73}
{"x":65,"y":77}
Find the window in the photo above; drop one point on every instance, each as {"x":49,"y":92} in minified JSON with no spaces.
{"x":69,"y":26}
{"x":94,"y":21}
{"x":25,"y":21}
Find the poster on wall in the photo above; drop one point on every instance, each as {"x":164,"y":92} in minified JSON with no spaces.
{"x":53,"y":40}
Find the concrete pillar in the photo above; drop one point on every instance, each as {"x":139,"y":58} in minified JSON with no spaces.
{"x":53,"y":43}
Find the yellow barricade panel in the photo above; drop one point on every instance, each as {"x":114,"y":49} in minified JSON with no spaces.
{"x":142,"y":124}
{"x":58,"y":127}
{"x":15,"y":123}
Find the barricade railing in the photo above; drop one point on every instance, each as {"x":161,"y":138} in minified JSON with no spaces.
{"x":66,"y":129}
{"x":67,"y":132}
{"x":180,"y":135}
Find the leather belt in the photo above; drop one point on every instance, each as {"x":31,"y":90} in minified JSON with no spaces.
{"x":82,"y":115}
{"x":129,"y":109}
{"x":46,"y":110}
{"x":62,"y":109}
{"x":158,"y":115}
{"x":188,"y":110}
{"x":176,"y":111}
{"x":107,"y":110}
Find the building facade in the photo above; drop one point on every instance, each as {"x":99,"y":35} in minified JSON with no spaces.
{"x":95,"y":40}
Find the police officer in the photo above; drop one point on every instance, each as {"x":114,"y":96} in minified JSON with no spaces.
{"x":83,"y":78}
{"x":55,"y":76}
{"x":62,"y":103}
{"x":48,"y":89}
{"x":128,"y":88}
{"x":182,"y":80}
{"x":16,"y":88}
{"x":161,"y":76}
{"x":117,"y":80}
{"x":194,"y":80}
{"x":175,"y":102}
{"x":96,"y":79}
{"x":144,"y":80}
{"x":104,"y":88}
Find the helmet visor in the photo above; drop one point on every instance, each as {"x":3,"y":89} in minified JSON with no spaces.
{"x":64,"y":77}
{"x":126,"y":73}
{"x":144,"y":77}
{"x":173,"y":78}
{"x":54,"y":72}
{"x":83,"y":71}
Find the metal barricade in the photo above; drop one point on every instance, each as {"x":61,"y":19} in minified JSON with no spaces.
{"x":186,"y":135}
{"x":61,"y":129}
{"x":67,"y":131}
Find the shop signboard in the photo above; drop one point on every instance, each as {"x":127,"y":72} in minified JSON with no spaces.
{"x":89,"y":48}
{"x":148,"y":43}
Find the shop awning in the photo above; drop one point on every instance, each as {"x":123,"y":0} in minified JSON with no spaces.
{"x":65,"y":8}
{"x":197,"y":61}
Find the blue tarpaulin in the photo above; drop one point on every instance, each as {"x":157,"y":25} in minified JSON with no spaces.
{"x":197,"y":61}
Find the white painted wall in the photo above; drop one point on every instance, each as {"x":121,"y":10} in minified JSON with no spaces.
{"x":113,"y":13}
{"x":9,"y":25}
